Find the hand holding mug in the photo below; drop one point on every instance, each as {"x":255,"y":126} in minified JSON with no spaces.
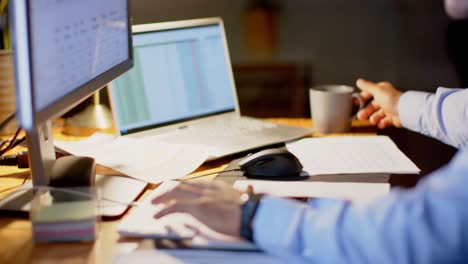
{"x":382,"y":110}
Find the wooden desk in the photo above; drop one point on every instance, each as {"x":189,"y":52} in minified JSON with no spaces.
{"x":16,"y":244}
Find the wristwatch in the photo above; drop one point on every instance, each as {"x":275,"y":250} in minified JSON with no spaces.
{"x":249,"y":205}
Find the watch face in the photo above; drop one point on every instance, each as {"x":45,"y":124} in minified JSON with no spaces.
{"x":244,"y":198}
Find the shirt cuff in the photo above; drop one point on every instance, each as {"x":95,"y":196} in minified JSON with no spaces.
{"x":410,"y":108}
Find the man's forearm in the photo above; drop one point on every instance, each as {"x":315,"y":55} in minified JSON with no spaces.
{"x":442,"y":115}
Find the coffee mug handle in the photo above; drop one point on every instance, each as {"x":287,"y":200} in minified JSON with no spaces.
{"x":361,"y":103}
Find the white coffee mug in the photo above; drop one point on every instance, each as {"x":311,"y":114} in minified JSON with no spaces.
{"x":331,"y":107}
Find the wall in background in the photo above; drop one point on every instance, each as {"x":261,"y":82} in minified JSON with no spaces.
{"x":402,"y":41}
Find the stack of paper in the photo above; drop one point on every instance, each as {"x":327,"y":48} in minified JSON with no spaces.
{"x":147,"y":159}
{"x":66,"y":221}
{"x":367,"y":154}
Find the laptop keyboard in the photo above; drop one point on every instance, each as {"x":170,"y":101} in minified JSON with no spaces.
{"x":229,"y":135}
{"x":237,"y":127}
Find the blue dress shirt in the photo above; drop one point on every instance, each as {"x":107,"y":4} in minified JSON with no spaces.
{"x":425,"y":224}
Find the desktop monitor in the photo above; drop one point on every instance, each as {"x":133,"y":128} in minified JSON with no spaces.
{"x":64,"y":51}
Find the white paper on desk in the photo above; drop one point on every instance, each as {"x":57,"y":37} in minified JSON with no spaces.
{"x":180,"y":256}
{"x":366,"y":154}
{"x":141,"y":223}
{"x":147,"y":159}
{"x":355,"y":192}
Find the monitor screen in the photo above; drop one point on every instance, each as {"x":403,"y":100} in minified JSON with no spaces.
{"x":64,"y":51}
{"x":73,"y":42}
{"x":179,"y":74}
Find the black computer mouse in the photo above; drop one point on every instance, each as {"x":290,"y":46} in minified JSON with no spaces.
{"x":277,"y":162}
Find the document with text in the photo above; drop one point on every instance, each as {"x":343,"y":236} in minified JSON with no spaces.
{"x":356,"y":154}
{"x":147,"y":159}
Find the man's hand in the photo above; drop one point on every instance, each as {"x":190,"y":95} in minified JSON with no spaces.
{"x":383,"y":109}
{"x":217,"y":205}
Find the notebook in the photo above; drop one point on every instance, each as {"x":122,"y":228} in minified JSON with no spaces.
{"x":182,"y":88}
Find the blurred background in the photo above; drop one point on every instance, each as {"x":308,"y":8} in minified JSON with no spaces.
{"x":403,"y":41}
{"x":281,"y":48}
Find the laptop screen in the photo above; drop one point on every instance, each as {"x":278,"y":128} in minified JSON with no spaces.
{"x":179,"y":74}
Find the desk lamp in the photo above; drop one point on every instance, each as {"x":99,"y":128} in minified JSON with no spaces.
{"x":95,"y":117}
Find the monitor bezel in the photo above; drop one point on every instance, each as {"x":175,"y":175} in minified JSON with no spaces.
{"x":25,"y":88}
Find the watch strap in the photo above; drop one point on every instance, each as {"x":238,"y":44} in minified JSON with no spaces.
{"x":248,"y":210}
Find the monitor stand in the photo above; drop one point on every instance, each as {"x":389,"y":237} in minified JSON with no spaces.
{"x":71,"y":171}
{"x":121,"y":189}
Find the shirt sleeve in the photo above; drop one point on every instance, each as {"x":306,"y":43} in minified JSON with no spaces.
{"x":456,"y":9}
{"x":426,"y":224}
{"x":443,"y":115}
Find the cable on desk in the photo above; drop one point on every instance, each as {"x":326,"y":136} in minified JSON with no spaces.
{"x":7,"y":120}
{"x":26,"y":179}
{"x":18,"y":142}
{"x":3,"y":143}
{"x":11,"y":142}
{"x":20,"y":160}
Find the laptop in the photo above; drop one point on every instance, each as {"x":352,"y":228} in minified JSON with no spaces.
{"x":182,"y":88}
